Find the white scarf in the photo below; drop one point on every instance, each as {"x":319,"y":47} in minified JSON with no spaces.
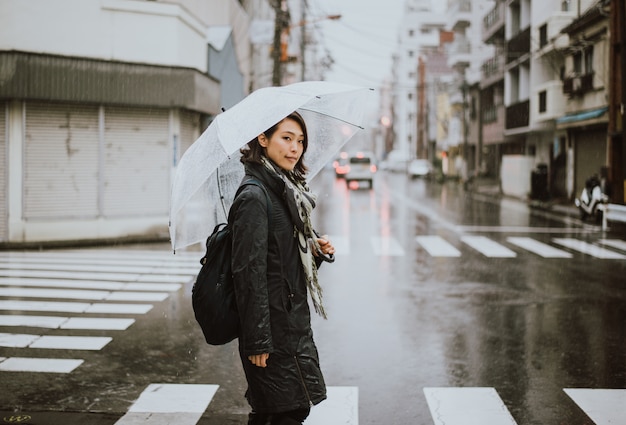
{"x":300,"y":202}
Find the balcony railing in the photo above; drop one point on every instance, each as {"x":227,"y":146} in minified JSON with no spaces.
{"x":518,"y":46}
{"x":493,"y":67}
{"x":493,"y":23}
{"x":517,"y":115}
{"x":578,"y":85}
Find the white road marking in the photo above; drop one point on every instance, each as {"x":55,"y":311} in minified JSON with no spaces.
{"x":589,"y":249}
{"x":91,"y":284}
{"x":82,"y":294}
{"x":467,"y":406}
{"x":386,"y":246}
{"x":603,"y":406}
{"x":58,"y":322}
{"x":71,"y":267}
{"x":341,"y":407}
{"x":438,"y":247}
{"x":63,"y":307}
{"x":487,"y":247}
{"x":163,"y":404}
{"x":53,"y":341}
{"x":25,"y":364}
{"x":539,"y":248}
{"x":614,"y":243}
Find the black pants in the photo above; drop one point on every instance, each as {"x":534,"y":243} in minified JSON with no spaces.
{"x":293,"y":417}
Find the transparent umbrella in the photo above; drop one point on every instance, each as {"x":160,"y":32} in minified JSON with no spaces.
{"x":209,"y":172}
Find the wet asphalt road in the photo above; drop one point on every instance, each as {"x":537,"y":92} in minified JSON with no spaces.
{"x":400,"y":318}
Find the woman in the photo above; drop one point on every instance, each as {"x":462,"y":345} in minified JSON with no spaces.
{"x":275,"y":258}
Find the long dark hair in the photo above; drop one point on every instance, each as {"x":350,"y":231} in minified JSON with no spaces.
{"x":253,"y":152}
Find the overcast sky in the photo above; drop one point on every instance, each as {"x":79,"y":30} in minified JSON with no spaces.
{"x":362,"y":41}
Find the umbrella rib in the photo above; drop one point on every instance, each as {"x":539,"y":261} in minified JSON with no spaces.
{"x":219,"y":189}
{"x":332,"y":116}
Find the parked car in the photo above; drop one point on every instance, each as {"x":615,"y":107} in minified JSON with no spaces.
{"x":420,"y":168}
{"x":396,"y":161}
{"x":361,"y":167}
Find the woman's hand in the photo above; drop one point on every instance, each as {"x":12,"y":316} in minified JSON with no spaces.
{"x":259,"y":360}
{"x":326,"y":246}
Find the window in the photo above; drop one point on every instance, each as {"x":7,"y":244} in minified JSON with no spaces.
{"x":543,"y":101}
{"x":411,"y":33}
{"x":578,"y":62}
{"x":589,"y":60}
{"x":543,"y":35}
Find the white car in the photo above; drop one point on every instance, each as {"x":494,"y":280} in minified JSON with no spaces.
{"x":361,"y":167}
{"x":420,"y":168}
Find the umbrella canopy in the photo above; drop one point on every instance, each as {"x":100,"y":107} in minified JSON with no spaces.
{"x":209,"y":172}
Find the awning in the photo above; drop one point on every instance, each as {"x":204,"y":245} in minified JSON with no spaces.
{"x":582,"y":116}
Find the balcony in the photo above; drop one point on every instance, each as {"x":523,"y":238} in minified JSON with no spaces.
{"x":492,"y":70}
{"x":493,"y":24}
{"x":459,"y":14}
{"x":459,"y":53}
{"x":517,"y":115}
{"x":578,"y":85}
{"x":518,"y":46}
{"x":550,"y":101}
{"x":549,"y":34}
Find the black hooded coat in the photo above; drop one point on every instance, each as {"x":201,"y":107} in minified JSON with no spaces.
{"x":271,"y":293}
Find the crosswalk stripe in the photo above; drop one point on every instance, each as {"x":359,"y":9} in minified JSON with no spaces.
{"x":97,"y":269}
{"x":54,"y":341}
{"x":603,"y":406}
{"x":59,"y":322}
{"x":74,"y":307}
{"x":82,"y":294}
{"x":589,"y":249}
{"x":130,"y":277}
{"x":487,"y":247}
{"x":156,"y":263}
{"x":539,"y":248}
{"x":91,"y":284}
{"x":438,"y":247}
{"x":386,"y":246}
{"x":164,"y":404}
{"x":463,"y":406}
{"x":340,"y":407}
{"x":27,"y":364}
{"x":614,"y":243}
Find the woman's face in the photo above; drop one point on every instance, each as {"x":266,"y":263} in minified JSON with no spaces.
{"x":284,"y":148}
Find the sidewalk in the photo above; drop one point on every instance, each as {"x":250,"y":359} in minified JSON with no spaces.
{"x":491,"y":186}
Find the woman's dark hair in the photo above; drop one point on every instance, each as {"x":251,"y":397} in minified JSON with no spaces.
{"x":254,"y":151}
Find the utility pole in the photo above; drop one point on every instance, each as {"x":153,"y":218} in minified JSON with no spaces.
{"x":303,"y":5}
{"x":280,"y":24}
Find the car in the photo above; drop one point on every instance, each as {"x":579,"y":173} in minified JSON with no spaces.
{"x":361,"y":167}
{"x":396,"y":161}
{"x":420,"y":168}
{"x":341,"y":165}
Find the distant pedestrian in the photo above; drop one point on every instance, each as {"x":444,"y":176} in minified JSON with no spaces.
{"x":275,"y":261}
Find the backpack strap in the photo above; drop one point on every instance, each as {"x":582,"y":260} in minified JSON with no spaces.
{"x":255,"y":182}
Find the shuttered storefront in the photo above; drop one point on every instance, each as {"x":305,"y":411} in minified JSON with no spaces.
{"x":189,"y":129}
{"x":590,"y":155}
{"x":136,"y":162}
{"x":61,"y":161}
{"x":4,"y":168}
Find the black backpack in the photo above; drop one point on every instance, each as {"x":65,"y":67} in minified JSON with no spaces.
{"x":213,"y":293}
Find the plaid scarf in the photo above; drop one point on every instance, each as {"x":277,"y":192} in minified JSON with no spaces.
{"x":300,"y":203}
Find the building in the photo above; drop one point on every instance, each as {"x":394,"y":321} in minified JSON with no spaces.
{"x":98,"y":100}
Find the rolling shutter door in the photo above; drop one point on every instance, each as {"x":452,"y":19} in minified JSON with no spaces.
{"x":136,"y":162}
{"x":189,"y":129}
{"x":4,"y":167}
{"x":61,"y":161}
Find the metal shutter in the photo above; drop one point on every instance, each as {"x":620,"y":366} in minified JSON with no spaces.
{"x":189,"y":129}
{"x":136,"y":162}
{"x":4,"y":168}
{"x":60,"y":161}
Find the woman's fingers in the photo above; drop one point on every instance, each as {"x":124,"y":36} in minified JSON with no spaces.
{"x":259,"y":360}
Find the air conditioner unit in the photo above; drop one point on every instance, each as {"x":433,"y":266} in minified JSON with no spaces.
{"x":577,"y":84}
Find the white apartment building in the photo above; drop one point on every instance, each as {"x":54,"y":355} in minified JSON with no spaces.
{"x":418,"y":30}
{"x":99,"y":99}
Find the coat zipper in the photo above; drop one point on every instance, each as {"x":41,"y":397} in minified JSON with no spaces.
{"x":306,"y":391}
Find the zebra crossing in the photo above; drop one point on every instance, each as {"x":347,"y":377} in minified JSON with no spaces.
{"x":438,"y":246}
{"x":159,"y":403}
{"x":62,"y":290}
